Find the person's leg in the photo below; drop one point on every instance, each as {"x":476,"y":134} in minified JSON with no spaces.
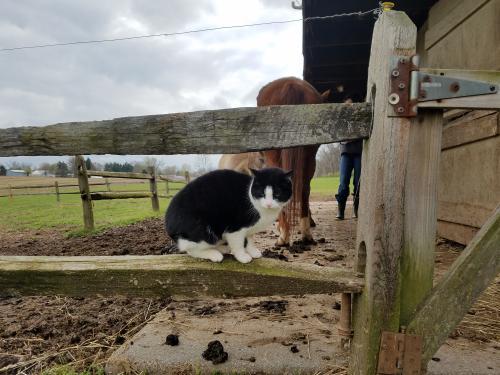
{"x":345,"y":176}
{"x":357,"y":175}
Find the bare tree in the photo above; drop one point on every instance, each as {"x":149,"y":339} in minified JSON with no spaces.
{"x":328,"y":159}
{"x":203,"y":164}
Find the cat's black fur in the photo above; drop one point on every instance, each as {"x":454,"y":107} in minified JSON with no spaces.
{"x":219,"y":200}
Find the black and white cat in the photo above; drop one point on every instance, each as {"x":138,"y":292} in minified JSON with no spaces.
{"x":227,"y":207}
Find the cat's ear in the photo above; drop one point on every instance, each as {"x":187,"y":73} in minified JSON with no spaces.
{"x":289,"y":174}
{"x":254,"y":171}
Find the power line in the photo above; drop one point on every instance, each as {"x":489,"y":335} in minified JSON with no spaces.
{"x":360,"y":13}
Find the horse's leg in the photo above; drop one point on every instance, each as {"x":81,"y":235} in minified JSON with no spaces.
{"x":305,"y":214}
{"x":284,"y":230}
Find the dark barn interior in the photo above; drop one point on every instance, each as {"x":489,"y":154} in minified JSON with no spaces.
{"x":337,"y":51}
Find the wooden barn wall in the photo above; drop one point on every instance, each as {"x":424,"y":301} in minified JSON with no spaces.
{"x":465,"y":34}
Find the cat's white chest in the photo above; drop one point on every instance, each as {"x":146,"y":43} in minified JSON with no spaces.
{"x":267,"y":218}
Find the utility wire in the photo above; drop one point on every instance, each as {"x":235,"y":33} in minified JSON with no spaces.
{"x":360,"y":13}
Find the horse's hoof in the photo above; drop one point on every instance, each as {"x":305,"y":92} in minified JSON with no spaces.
{"x":281,"y":243}
{"x":308,"y":241}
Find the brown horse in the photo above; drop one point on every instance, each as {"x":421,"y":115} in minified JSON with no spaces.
{"x":243,"y":162}
{"x":302,"y":160}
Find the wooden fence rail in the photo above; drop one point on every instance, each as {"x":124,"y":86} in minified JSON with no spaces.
{"x":170,"y":275}
{"x":88,"y":196}
{"x":204,"y":132}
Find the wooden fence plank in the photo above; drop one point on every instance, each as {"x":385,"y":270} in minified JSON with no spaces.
{"x":104,"y":195}
{"x":83,"y":182}
{"x":380,"y":231}
{"x":420,"y":211}
{"x":167,"y":275}
{"x":140,"y":176}
{"x":204,"y":132}
{"x":468,"y":277}
{"x":153,"y":188}
{"x":56,"y":186}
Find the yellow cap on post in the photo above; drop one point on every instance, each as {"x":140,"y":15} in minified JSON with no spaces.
{"x":387,"y":6}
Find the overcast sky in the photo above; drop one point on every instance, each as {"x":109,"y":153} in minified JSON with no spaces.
{"x":211,"y":70}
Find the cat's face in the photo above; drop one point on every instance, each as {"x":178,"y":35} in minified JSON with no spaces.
{"x":271,"y":188}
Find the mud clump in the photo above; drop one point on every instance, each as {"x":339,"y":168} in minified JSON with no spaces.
{"x":215,"y":352}
{"x":273,"y":306}
{"x":172,"y":340}
{"x":205,"y":310}
{"x":274,"y":255}
{"x":294,"y":349}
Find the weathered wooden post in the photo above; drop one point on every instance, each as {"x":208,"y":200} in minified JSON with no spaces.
{"x":154,"y":192}
{"x":187,"y":177}
{"x":108,"y":185}
{"x":56,"y":186}
{"x":397,"y":219}
{"x":83,"y":183}
{"x":167,"y":189}
{"x":10,"y":192}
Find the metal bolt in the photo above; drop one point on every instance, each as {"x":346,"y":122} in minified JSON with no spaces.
{"x":401,"y":86}
{"x":402,"y":60}
{"x":493,"y":88}
{"x":394,"y":98}
{"x":395,"y":73}
{"x":454,"y":87}
{"x":401,"y":109}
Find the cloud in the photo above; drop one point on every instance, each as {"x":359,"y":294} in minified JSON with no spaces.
{"x":208,"y":70}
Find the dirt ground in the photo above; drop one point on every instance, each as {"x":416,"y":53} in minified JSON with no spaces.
{"x":40,"y":332}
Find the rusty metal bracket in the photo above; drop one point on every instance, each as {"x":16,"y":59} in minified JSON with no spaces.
{"x":409,"y":87}
{"x":399,"y":354}
{"x":403,"y":96}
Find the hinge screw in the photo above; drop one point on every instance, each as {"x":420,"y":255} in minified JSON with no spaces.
{"x":395,"y":73}
{"x":401,"y":86}
{"x":401,"y":109}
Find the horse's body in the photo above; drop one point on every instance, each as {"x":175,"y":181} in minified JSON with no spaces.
{"x":302,"y":160}
{"x":242,"y":162}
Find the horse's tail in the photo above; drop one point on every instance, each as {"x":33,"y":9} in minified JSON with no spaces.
{"x":293,"y":159}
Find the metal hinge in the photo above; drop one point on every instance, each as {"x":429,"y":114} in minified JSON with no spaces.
{"x":409,"y":87}
{"x":399,"y":354}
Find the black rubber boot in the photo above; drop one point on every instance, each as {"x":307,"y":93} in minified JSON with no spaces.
{"x":341,"y":209}
{"x":356,"y":205}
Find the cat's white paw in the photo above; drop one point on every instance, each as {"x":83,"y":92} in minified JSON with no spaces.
{"x":216,"y":257}
{"x":253,"y":252}
{"x":243,"y":257}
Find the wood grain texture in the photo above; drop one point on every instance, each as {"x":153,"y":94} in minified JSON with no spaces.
{"x":171,"y":275}
{"x":456,"y":232}
{"x":467,"y":131}
{"x":381,"y":216}
{"x":460,"y":11}
{"x":420,"y":211}
{"x":204,"y":132}
{"x":467,"y":278}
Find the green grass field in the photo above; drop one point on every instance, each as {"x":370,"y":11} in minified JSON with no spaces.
{"x":44,"y":212}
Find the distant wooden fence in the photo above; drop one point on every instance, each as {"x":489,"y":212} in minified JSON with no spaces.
{"x":56,"y":186}
{"x":89,"y":196}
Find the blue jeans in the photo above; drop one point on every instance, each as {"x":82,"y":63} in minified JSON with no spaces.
{"x":348,"y":162}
